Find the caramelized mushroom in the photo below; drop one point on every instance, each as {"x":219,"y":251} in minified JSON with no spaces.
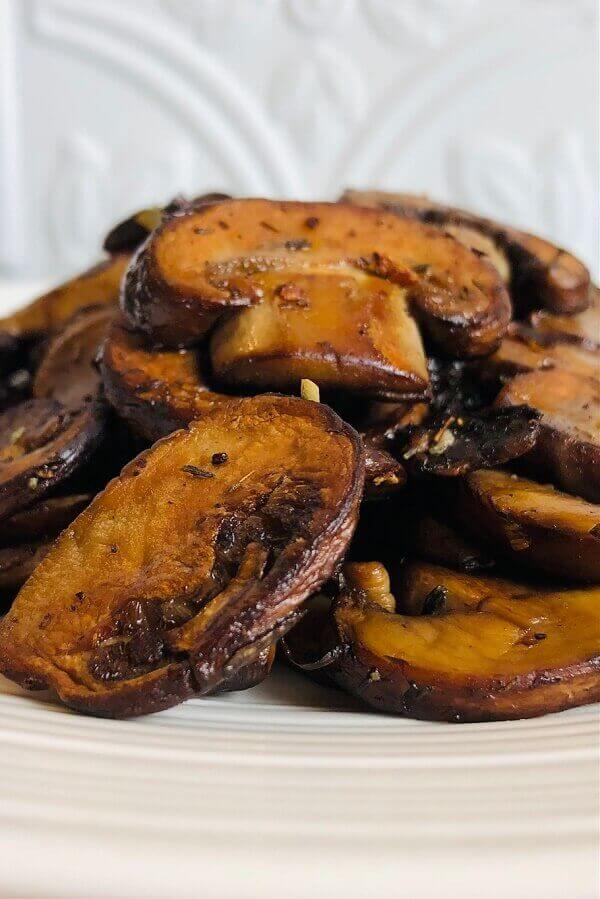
{"x":44,"y":519}
{"x":127,"y":235}
{"x":452,"y":445}
{"x":98,"y":286}
{"x":242,"y":253}
{"x":529,"y":523}
{"x":434,"y":540}
{"x":567,"y":448}
{"x":583,"y":329}
{"x":472,"y":649}
{"x":18,"y":562}
{"x":524,"y":349}
{"x":155,"y":391}
{"x":539,"y":273}
{"x":187,"y":568}
{"x":45,"y":439}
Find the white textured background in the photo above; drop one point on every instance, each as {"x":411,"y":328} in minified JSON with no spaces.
{"x":106,"y":105}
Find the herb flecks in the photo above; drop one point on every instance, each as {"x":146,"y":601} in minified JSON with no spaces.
{"x":197,"y":472}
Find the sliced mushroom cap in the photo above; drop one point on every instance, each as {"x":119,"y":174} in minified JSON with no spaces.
{"x":98,"y":286}
{"x":524,"y":349}
{"x":434,"y":540}
{"x":492,"y":649}
{"x":41,"y":444}
{"x":45,"y":439}
{"x":529,"y":523}
{"x":128,"y":234}
{"x":17,"y":563}
{"x":452,"y":445}
{"x":539,"y":272}
{"x":383,"y":473}
{"x":196,"y":267}
{"x":190,"y":565}
{"x":44,"y":519}
{"x":155,"y":391}
{"x":567,"y":448}
{"x":582,"y":329}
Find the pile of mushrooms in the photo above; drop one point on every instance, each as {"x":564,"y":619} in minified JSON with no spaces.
{"x":361,"y":437}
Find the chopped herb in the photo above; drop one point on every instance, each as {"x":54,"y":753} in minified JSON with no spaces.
{"x":197,"y":472}
{"x":540,"y":636}
{"x":219,"y":458}
{"x":311,"y":222}
{"x":113,"y":548}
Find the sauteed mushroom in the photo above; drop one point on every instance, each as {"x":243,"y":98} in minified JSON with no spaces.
{"x":531,"y":524}
{"x":539,"y":272}
{"x":240,"y":253}
{"x":188,"y":567}
{"x":471,"y":649}
{"x":45,"y":439}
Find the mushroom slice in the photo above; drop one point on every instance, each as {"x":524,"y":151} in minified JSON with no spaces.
{"x":583,"y":329}
{"x":18,"y":562}
{"x":434,"y":540}
{"x":539,"y":272}
{"x":196,"y":267}
{"x":45,"y":439}
{"x":191,"y":564}
{"x":155,"y":391}
{"x":452,"y":445}
{"x":44,"y":519}
{"x":530,"y":523}
{"x":524,"y":349}
{"x":567,"y":449}
{"x":98,"y":286}
{"x":488,"y":649}
{"x":127,"y":235}
{"x":346,"y":330}
{"x":383,"y":473}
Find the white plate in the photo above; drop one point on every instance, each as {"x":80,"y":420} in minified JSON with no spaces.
{"x":291,"y":791}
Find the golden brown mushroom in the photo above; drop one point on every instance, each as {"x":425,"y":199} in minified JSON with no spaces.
{"x":187,"y":568}
{"x":539,"y":272}
{"x":273,"y":256}
{"x":470,"y":649}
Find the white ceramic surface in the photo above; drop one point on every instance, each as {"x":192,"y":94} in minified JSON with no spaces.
{"x":292,"y":790}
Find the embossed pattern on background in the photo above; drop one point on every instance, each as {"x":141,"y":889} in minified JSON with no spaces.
{"x":108,"y":105}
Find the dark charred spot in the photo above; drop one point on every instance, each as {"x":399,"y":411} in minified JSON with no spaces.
{"x":298,"y":243}
{"x":435,"y":600}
